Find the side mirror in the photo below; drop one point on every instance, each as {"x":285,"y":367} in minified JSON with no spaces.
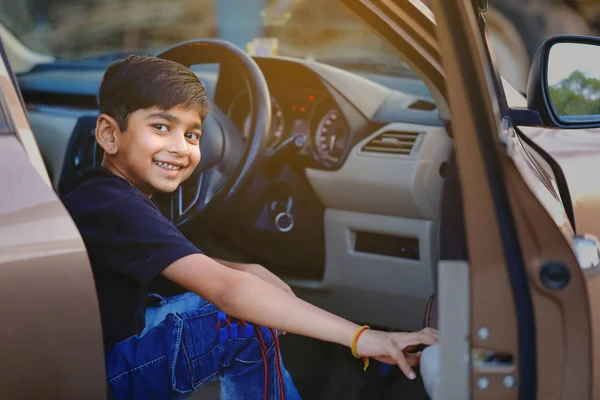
{"x":564,"y":82}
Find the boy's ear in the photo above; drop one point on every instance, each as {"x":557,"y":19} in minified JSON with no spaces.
{"x":107,"y":134}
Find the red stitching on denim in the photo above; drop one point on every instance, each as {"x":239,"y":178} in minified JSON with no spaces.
{"x":264,"y":353}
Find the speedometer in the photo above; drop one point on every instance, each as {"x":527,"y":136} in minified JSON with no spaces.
{"x":331,"y":136}
{"x":277,"y":125}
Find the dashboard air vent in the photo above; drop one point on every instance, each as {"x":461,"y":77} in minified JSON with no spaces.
{"x":392,"y":142}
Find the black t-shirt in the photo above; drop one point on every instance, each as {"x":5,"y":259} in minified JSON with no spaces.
{"x":129,"y":243}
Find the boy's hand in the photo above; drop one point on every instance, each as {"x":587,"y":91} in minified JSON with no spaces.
{"x":392,"y":347}
{"x":268,"y":276}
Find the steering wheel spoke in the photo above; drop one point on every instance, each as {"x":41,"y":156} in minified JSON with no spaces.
{"x":179,"y":205}
{"x":216,"y":180}
{"x":196,"y":194}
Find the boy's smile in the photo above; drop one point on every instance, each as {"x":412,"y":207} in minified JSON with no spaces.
{"x":159,"y":150}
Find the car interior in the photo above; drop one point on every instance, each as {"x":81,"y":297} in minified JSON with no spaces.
{"x":353,"y":199}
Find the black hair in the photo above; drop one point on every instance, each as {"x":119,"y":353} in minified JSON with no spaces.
{"x":142,"y":82}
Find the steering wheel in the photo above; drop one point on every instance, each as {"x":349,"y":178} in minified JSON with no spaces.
{"x":227,"y":160}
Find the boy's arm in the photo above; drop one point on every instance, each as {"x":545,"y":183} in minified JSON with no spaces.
{"x":258,"y":270}
{"x":248,"y":297}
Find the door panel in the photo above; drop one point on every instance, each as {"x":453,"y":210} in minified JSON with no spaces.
{"x":51,"y":339}
{"x":561,"y":316}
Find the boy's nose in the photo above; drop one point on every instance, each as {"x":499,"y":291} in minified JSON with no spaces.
{"x":178,"y":146}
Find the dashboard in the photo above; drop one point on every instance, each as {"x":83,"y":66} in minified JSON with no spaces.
{"x":333,"y":108}
{"x":372,"y":153}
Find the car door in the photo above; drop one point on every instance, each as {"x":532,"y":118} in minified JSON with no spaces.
{"x":515,"y":316}
{"x":526,"y":281}
{"x":50,"y":334}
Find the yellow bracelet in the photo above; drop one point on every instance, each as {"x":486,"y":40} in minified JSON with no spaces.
{"x":357,"y":334}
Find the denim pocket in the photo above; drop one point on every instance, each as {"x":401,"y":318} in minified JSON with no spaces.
{"x":179,"y":363}
{"x":195,"y":354}
{"x":198,"y":355}
{"x":140,"y":367}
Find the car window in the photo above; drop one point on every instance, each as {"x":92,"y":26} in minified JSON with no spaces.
{"x":513,"y":97}
{"x":324,"y":30}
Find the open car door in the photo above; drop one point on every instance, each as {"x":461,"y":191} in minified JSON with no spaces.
{"x":529,"y":312}
{"x":50,"y":334}
{"x":516,"y":316}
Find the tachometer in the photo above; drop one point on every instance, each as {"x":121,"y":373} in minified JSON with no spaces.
{"x":331,"y":136}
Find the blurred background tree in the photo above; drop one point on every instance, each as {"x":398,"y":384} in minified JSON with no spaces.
{"x":578,"y":94}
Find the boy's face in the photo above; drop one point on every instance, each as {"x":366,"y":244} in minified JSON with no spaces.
{"x":159,"y":150}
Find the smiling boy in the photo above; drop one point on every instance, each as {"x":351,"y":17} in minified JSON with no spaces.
{"x":150,"y":128}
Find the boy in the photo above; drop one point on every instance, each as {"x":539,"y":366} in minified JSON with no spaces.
{"x":150,"y":127}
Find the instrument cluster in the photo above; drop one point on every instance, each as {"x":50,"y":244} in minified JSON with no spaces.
{"x":309,"y":112}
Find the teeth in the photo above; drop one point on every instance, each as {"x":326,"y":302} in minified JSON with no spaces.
{"x":167,"y":166}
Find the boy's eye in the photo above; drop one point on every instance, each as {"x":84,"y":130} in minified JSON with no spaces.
{"x":160,"y":127}
{"x":193,"y":136}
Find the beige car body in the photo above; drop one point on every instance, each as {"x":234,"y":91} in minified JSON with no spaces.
{"x":50,"y":338}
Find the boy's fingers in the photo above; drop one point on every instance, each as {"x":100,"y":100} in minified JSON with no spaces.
{"x":398,"y":356}
{"x":433,"y":332}
{"x":413,"y":339}
{"x":427,"y":338}
{"x":413,"y":359}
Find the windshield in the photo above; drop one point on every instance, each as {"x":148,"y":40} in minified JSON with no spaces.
{"x":316,"y":29}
